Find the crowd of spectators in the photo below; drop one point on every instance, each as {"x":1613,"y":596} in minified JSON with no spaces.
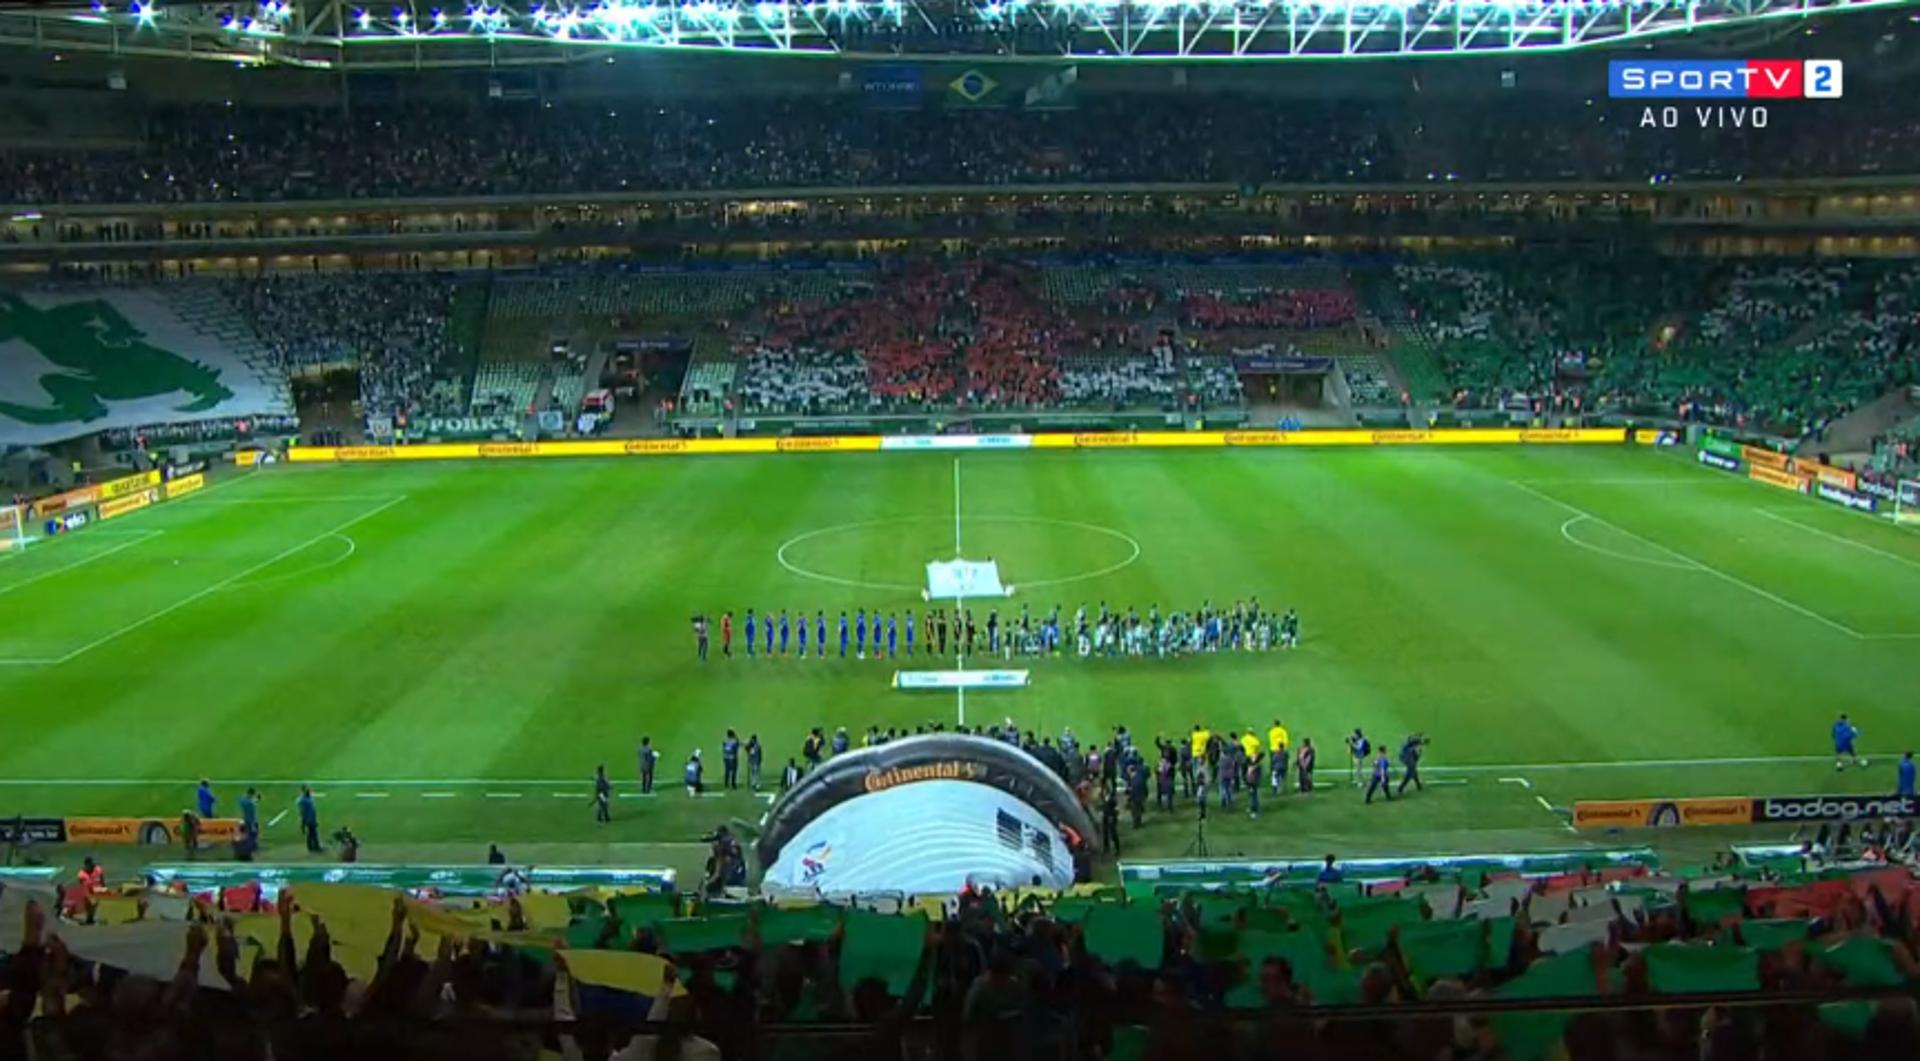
{"x":1292,"y":309}
{"x":1775,"y":347}
{"x":193,"y":432}
{"x":268,"y":153}
{"x":1222,"y":972}
{"x":395,"y":329}
{"x":978,"y":335}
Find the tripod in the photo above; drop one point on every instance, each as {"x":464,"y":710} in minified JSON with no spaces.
{"x":1197,"y":847}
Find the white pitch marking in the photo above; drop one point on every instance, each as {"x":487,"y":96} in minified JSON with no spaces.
{"x":436,"y":795}
{"x":1704,"y":568}
{"x":1566,"y":531}
{"x":145,"y":536}
{"x":369,"y":795}
{"x":503,"y":795}
{"x":225,"y":582}
{"x":275,"y":820}
{"x":1841,"y":538}
{"x":352,"y":547}
{"x":1542,"y":800}
{"x":1521,"y":781}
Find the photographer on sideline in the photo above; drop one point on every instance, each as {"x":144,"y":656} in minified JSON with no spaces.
{"x":1410,"y":751}
{"x":349,"y":844}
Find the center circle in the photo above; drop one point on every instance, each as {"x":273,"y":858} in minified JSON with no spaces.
{"x":882,"y":553}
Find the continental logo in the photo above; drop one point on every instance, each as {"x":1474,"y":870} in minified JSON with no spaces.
{"x":1255,"y":438}
{"x":1765,"y":458}
{"x":1401,"y":438}
{"x":953,"y":770}
{"x":509,"y":449}
{"x":150,"y":831}
{"x":1098,"y":439}
{"x":121,"y":506}
{"x":655,"y":445}
{"x":1662,"y":813}
{"x":186,"y":484}
{"x":1612,"y":814}
{"x":1558,"y":434}
{"x":365,"y":453}
{"x":818,"y":444}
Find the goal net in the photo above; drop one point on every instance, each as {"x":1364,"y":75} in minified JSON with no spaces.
{"x":13,"y":529}
{"x":1906,"y":501}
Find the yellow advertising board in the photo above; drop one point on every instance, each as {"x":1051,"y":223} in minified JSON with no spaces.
{"x":657,"y":447}
{"x":124,"y":505}
{"x":128,"y":486}
{"x":186,"y":484}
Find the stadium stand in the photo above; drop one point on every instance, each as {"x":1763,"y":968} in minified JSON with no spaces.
{"x":243,"y":154}
{"x":1776,"y":347}
{"x":395,"y":329}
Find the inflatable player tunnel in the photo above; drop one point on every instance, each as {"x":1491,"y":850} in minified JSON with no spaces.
{"x":926,"y":814}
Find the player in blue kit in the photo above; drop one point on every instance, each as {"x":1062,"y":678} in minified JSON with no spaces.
{"x":820,"y":632}
{"x":802,"y":634}
{"x":893,"y":636}
{"x":909,"y":631}
{"x":785,"y":632}
{"x":1844,"y":734}
{"x":768,"y":623}
{"x":749,"y":631}
{"x":860,"y":634}
{"x":843,"y":635}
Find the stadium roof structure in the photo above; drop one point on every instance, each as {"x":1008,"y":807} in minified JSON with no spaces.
{"x":411,"y":35}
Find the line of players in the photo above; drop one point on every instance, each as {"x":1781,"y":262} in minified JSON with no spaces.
{"x":1241,"y":627}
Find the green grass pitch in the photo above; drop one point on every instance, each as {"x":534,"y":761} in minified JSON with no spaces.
{"x":447,"y":650}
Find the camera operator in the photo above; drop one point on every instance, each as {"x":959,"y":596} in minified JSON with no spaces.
{"x":349,"y":844}
{"x":1410,"y":751}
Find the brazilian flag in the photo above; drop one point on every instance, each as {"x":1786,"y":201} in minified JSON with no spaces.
{"x":974,"y":88}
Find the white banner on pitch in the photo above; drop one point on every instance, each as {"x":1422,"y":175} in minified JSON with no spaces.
{"x":958,"y":579}
{"x":960,"y":679}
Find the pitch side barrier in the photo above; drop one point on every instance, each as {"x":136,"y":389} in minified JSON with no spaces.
{"x":666,"y":447}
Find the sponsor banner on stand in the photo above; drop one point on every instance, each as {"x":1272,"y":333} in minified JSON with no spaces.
{"x":1763,"y":457}
{"x":1662,"y":813}
{"x":124,"y":505}
{"x":1825,"y":473}
{"x":1847,"y":498}
{"x":1716,"y":444}
{"x":151,"y":831}
{"x":1715,"y":460}
{"x":1832,"y":808}
{"x":75,"y":498}
{"x":129,"y":486}
{"x":33,"y":830}
{"x":1879,"y":490}
{"x":1783,"y":480}
{"x":186,"y":484}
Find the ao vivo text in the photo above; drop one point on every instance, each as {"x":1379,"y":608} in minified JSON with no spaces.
{"x":1724,"y":79}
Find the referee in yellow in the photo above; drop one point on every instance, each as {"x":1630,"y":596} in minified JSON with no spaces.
{"x":1198,"y":749}
{"x":1277,"y":742}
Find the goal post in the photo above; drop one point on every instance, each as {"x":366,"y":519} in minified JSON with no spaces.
{"x":1906,"y":501}
{"x":13,"y":529}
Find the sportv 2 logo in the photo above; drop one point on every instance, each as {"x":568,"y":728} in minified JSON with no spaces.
{"x":1725,"y":79}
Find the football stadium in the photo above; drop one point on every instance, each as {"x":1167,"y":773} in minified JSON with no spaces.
{"x":937,"y":529}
